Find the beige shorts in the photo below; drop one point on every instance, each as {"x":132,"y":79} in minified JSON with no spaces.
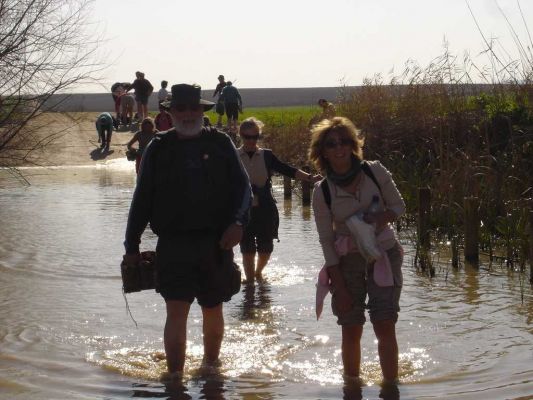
{"x":383,"y":302}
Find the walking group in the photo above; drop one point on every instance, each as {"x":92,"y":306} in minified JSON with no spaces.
{"x":228,"y":102}
{"x":202,"y":196}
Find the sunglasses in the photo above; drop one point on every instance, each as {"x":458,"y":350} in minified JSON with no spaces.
{"x":185,"y":107}
{"x":251,"y":137}
{"x":344,"y":142}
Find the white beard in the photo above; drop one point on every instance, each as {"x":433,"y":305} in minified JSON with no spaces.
{"x":189,"y":129}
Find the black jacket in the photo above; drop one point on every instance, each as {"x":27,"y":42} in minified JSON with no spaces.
{"x":185,"y":185}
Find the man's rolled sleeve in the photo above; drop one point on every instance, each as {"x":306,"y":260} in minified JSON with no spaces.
{"x":141,"y":204}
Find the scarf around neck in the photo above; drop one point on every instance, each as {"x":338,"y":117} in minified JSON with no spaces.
{"x":345,"y":179}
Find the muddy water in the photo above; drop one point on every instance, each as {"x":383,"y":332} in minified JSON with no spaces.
{"x":65,"y":332}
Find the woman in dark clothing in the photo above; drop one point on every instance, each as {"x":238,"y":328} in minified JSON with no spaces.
{"x":143,"y":90}
{"x":262,"y":228}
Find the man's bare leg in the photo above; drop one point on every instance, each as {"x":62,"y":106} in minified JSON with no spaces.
{"x":175,"y":335}
{"x":213,"y":329}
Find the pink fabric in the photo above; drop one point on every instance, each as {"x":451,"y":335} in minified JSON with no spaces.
{"x":322,"y":289}
{"x":344,"y":245}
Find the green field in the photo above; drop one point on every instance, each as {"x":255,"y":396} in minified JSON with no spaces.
{"x":274,"y":117}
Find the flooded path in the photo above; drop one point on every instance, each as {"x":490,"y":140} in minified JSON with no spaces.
{"x":65,"y":332}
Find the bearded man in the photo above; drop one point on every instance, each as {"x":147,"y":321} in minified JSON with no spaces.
{"x":195,"y":193}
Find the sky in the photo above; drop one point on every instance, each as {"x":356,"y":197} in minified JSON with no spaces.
{"x":292,"y":43}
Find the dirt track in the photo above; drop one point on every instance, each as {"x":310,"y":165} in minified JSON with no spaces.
{"x":66,"y":139}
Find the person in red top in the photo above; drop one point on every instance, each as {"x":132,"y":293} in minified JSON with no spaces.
{"x":163,"y":120}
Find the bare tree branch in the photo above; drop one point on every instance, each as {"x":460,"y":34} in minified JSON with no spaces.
{"x":45,"y":48}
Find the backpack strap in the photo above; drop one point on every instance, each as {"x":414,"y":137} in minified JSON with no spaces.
{"x":267,"y":155}
{"x":366,"y":169}
{"x":365,"y":166}
{"x":325,"y":191}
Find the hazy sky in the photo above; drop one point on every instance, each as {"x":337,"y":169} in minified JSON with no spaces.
{"x":293,"y":43}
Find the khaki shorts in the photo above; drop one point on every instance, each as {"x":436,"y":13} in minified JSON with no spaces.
{"x":383,"y":302}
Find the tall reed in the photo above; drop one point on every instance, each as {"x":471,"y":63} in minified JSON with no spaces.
{"x":433,"y":127}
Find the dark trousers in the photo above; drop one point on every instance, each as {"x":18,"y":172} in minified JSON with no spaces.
{"x":105,"y":135}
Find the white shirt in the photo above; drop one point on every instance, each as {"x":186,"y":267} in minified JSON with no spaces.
{"x":162,"y":94}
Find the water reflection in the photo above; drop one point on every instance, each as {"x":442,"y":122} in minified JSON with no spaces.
{"x":389,"y":391}
{"x":105,"y":179}
{"x":213,"y":388}
{"x":255,"y":300}
{"x":306,"y":213}
{"x":172,"y":390}
{"x":471,"y":284}
{"x":210,"y":385}
{"x":287,"y":208}
{"x":352,"y":391}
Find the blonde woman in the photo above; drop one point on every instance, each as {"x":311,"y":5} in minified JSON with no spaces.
{"x":348,"y":188}
{"x":262,"y":228}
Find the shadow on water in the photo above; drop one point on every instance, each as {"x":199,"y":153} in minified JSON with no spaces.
{"x":389,"y":392}
{"x":100,"y":153}
{"x":354,"y":391}
{"x":306,"y":213}
{"x":287,"y":208}
{"x":211,"y":386}
{"x":255,"y":299}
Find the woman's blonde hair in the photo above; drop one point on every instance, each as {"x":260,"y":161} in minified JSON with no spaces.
{"x":251,"y":122}
{"x":341,"y":125}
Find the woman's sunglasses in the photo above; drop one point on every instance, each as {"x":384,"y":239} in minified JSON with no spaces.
{"x":344,"y":142}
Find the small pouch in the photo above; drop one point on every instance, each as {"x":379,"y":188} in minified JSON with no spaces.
{"x":141,"y":276}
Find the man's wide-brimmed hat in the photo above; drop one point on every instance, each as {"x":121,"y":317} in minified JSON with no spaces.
{"x":187,"y":94}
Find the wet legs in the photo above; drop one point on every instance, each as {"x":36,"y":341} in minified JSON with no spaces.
{"x":262,"y":261}
{"x":175,"y":334}
{"x":351,"y":349}
{"x":387,"y":348}
{"x":250,"y":270}
{"x":213,"y":330}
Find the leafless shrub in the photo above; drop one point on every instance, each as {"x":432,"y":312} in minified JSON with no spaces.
{"x":45,"y":48}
